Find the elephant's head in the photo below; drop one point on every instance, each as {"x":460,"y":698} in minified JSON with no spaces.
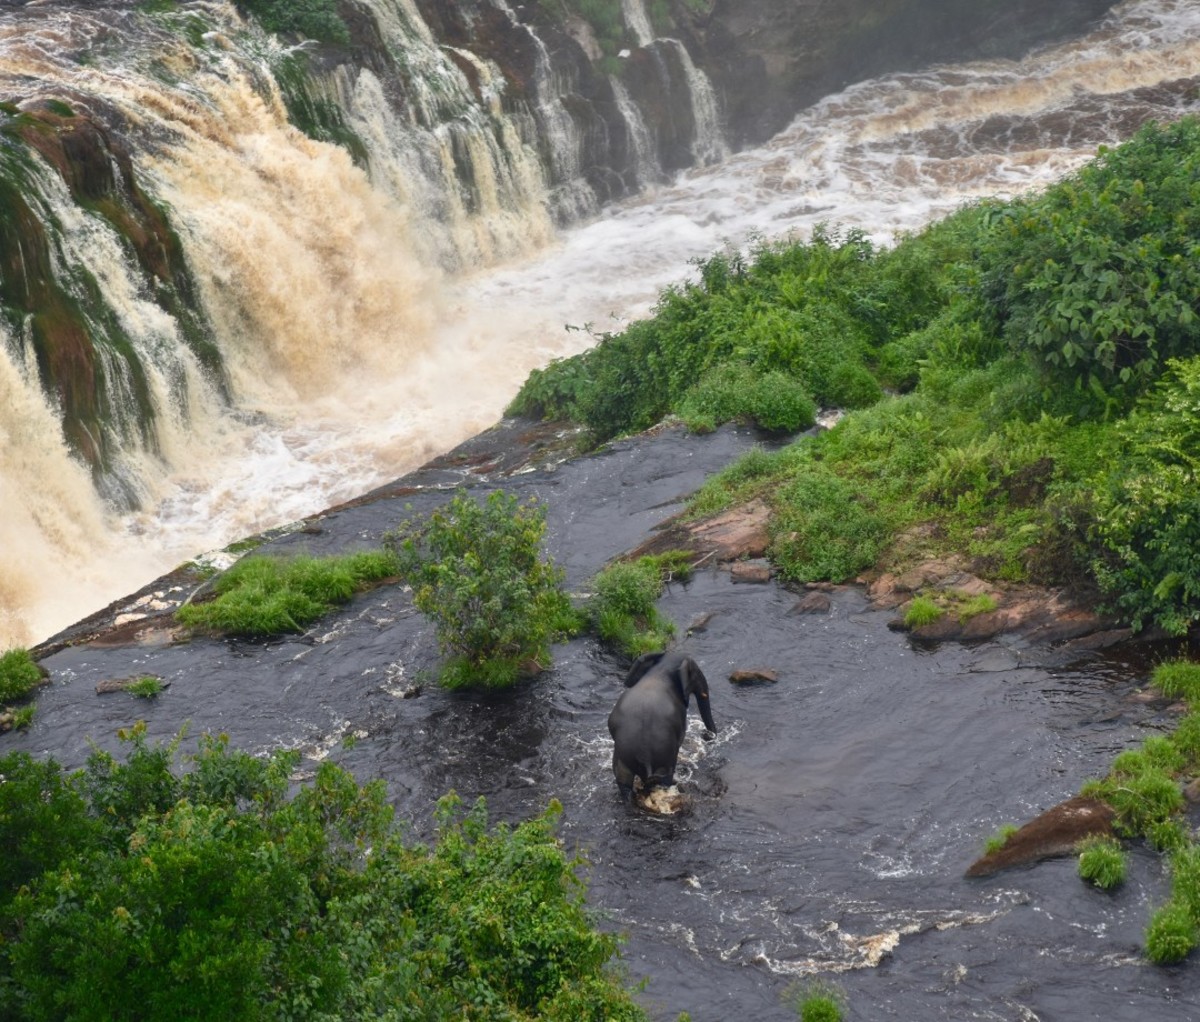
{"x":683,"y":671}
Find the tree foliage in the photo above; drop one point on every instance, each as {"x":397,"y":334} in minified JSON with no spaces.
{"x":1098,"y":279}
{"x":476,"y":569}
{"x":135,"y":889}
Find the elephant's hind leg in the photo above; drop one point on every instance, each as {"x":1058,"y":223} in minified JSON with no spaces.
{"x":624,"y":777}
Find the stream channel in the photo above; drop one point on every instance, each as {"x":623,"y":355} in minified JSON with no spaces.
{"x":830,"y":821}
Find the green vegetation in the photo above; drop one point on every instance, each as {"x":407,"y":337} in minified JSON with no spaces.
{"x":623,"y":611}
{"x":1042,"y":361}
{"x":316,"y":19}
{"x":1143,"y":787}
{"x":606,"y":19}
{"x":19,"y":675}
{"x":922,"y":611}
{"x":476,"y":570}
{"x":138,"y":889}
{"x":817,"y":1001}
{"x":1178,"y":678}
{"x":262,"y":595}
{"x":146,"y":687}
{"x":1102,"y":862}
{"x":998,"y":840}
{"x":310,"y":109}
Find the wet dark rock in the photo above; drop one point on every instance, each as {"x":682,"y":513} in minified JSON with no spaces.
{"x":813,"y":603}
{"x":110,"y":685}
{"x":729,"y":536}
{"x":752,"y":572}
{"x":700,"y":623}
{"x":754,"y":676}
{"x":1055,"y":833}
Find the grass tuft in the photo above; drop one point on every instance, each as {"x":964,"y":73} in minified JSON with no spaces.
{"x":261,"y":595}
{"x":1102,"y":862}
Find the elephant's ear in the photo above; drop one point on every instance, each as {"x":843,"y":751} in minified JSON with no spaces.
{"x":640,"y":666}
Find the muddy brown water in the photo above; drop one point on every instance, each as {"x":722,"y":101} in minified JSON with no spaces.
{"x":828,"y":825}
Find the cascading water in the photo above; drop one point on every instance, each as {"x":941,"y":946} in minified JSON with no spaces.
{"x":349,"y":354}
{"x":319,"y":278}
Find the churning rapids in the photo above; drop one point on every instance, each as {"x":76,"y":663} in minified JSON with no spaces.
{"x":833,"y":817}
{"x":369,"y":362}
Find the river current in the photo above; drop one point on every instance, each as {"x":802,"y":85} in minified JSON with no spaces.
{"x":347,"y":407}
{"x":828,"y":825}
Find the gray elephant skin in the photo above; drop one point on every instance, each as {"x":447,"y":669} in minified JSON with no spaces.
{"x":650,"y":718}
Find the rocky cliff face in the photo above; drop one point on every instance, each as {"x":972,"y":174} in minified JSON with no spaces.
{"x":770,"y":58}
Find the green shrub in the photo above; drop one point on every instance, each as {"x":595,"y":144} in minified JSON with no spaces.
{"x":1186,"y":738}
{"x":922,"y":611}
{"x":1146,"y":507}
{"x":146,"y":687}
{"x":262,"y":595}
{"x":825,"y":529}
{"x":1178,"y":679}
{"x":773,"y":400}
{"x":623,"y":611}
{"x":19,"y":675}
{"x":476,"y":570}
{"x":1096,"y":278}
{"x":1140,"y":799}
{"x":1102,"y":862}
{"x":984,"y":603}
{"x":234,"y":896}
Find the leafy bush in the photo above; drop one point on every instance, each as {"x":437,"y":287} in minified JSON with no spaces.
{"x":1097,"y":278}
{"x":19,"y":675}
{"x":773,"y":400}
{"x":477,"y":571}
{"x":623,"y":610}
{"x":1148,"y":507}
{"x":224,"y":896}
{"x":261,"y":595}
{"x":146,"y":687}
{"x":1102,"y":862}
{"x":825,"y":528}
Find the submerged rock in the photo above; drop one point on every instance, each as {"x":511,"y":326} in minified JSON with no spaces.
{"x":1055,"y":833}
{"x":753,"y":676}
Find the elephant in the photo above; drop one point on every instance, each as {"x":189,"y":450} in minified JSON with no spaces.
{"x":650,"y":718}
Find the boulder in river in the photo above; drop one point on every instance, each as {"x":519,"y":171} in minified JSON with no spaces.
{"x":1055,"y":833}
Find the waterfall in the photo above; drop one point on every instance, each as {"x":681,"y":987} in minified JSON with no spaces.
{"x":641,"y":143}
{"x":708,"y":145}
{"x":634,"y":13}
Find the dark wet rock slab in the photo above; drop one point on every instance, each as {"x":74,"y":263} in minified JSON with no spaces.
{"x":1054,"y":833}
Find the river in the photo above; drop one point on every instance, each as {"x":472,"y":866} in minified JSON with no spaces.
{"x":829,"y":823}
{"x":330,"y":403}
